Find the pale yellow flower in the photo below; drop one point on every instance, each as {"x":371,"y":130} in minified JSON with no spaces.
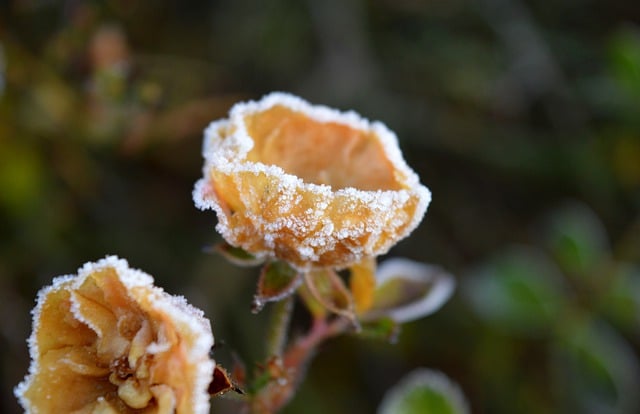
{"x":306,"y":184}
{"x":109,"y":341}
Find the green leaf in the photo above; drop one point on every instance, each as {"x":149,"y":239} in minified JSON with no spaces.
{"x":625,"y":59}
{"x":520,"y":291}
{"x":317,"y":309}
{"x":22,"y":177}
{"x":277,"y":281}
{"x":621,"y":301}
{"x":408,"y":290}
{"x":424,"y":391}
{"x":577,"y":239}
{"x":384,"y":328}
{"x":236,"y":255}
{"x":327,"y":288}
{"x":596,"y":369}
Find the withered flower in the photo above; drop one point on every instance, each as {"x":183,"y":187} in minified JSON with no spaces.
{"x":306,"y":184}
{"x":109,"y":341}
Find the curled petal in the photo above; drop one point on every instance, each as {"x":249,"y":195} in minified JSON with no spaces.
{"x":306,"y":184}
{"x":119,"y":344}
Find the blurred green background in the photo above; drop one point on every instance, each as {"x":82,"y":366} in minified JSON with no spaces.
{"x":523,"y":118}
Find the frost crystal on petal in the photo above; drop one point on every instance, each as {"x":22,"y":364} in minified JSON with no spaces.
{"x":108,"y":340}
{"x":307,"y":184}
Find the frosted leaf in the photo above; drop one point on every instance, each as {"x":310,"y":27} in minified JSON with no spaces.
{"x":236,"y":255}
{"x":327,"y":288}
{"x":307,"y":184}
{"x":424,"y":391}
{"x":408,"y":290}
{"x":118,"y":343}
{"x":277,"y":281}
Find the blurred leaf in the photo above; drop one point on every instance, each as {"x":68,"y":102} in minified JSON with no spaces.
{"x":424,"y":391}
{"x":384,"y":328}
{"x":49,"y":106}
{"x":596,"y":370}
{"x":236,"y":255}
{"x":520,"y":290}
{"x":621,"y":301}
{"x":625,"y":59}
{"x":3,"y":69}
{"x":21,"y":177}
{"x":326,"y":287}
{"x":628,"y":245}
{"x":362,"y":283}
{"x":409,"y":290}
{"x":317,"y":309}
{"x":277,"y":281}
{"x":625,"y":158}
{"x":577,"y":239}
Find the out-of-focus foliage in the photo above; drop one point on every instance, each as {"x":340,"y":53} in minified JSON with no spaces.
{"x":523,"y":118}
{"x":424,"y":392}
{"x":519,"y":291}
{"x":524,"y":294}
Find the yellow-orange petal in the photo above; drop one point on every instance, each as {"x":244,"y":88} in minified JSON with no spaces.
{"x":362,"y":282}
{"x":308,"y":184}
{"x":108,"y":340}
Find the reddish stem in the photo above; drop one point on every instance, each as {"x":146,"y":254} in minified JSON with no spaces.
{"x":289,"y":370}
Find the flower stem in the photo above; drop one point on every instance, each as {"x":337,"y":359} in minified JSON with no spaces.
{"x":289,"y":368}
{"x":278,"y":327}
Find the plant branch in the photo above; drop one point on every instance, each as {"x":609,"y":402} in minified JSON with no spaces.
{"x":288,"y":370}
{"x":278,"y":326}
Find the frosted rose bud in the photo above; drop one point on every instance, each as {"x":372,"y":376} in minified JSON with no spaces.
{"x":307,"y":184}
{"x":109,"y":341}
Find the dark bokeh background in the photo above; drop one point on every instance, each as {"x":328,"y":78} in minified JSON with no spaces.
{"x":522,"y":117}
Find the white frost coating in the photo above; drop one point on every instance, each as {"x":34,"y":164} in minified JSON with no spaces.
{"x":427,"y":379}
{"x":443,"y":285}
{"x":176,"y":307}
{"x":129,"y":277}
{"x":193,"y":318}
{"x":225,"y":149}
{"x":58,"y":283}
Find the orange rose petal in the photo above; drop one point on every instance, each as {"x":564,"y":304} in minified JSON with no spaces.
{"x":307,"y":184}
{"x":119,"y":344}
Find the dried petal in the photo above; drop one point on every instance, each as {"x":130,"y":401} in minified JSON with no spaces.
{"x":222,"y":383}
{"x":119,"y":344}
{"x":363,"y":283}
{"x":307,"y":184}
